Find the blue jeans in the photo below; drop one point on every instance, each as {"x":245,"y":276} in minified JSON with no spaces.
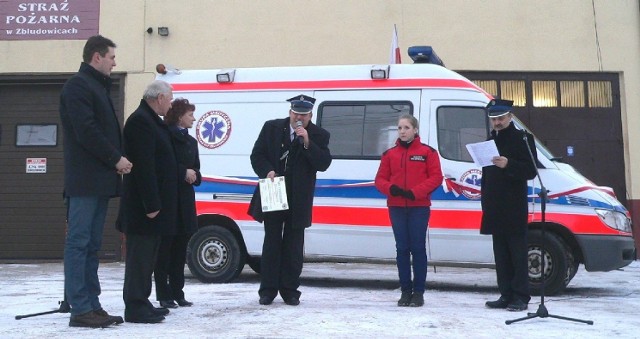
{"x":410,"y":231}
{"x":85,"y":223}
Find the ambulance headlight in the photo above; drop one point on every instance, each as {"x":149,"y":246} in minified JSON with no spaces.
{"x":615,"y":220}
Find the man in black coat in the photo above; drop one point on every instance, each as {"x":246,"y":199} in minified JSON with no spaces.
{"x":94,"y":162}
{"x":505,"y":206}
{"x":295,"y":148}
{"x":149,"y":206}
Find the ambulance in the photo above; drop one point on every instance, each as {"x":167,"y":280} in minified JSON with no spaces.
{"x":359,"y":105}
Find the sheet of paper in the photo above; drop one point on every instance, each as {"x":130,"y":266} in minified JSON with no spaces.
{"x":483,"y":152}
{"x":273,"y":194}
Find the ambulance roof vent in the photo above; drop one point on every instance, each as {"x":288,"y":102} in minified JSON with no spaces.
{"x":424,"y":55}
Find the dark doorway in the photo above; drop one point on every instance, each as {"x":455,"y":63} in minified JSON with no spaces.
{"x":576,"y":116}
{"x":32,"y":211}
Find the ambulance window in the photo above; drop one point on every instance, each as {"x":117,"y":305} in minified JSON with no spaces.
{"x":361,"y":129}
{"x":458,"y":126}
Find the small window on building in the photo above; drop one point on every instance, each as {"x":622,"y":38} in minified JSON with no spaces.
{"x":544,"y":94}
{"x":361,"y":129}
{"x":489,"y":86}
{"x":513,"y":90}
{"x":571,"y":93}
{"x":457,"y":127}
{"x":600,"y":94}
{"x":36,"y":135}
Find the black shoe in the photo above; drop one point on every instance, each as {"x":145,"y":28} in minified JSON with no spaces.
{"x":90,"y":319}
{"x":159,"y":310}
{"x":293,"y":301}
{"x":183,"y":302}
{"x":405,"y":298}
{"x":266,"y":300}
{"x":116,"y":318}
{"x":417,"y":300}
{"x":502,"y":302}
{"x":168,"y":304}
{"x":145,"y":318}
{"x":517,"y":305}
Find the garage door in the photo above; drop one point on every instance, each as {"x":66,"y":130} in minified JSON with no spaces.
{"x":32,"y":211}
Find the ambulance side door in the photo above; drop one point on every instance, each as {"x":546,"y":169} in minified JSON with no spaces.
{"x":350,"y":217}
{"x":453,"y":233}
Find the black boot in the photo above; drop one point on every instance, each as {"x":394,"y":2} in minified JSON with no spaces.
{"x":417,"y":299}
{"x":405,"y":298}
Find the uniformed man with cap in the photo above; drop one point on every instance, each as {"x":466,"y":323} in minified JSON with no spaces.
{"x":295,"y":148}
{"x":504,"y":205}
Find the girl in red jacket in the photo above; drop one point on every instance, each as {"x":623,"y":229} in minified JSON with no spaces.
{"x":408,"y":173}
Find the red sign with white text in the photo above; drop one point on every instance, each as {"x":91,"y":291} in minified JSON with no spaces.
{"x":49,"y":20}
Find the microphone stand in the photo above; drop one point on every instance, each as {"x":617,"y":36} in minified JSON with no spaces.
{"x":64,"y":308}
{"x":542,"y":311}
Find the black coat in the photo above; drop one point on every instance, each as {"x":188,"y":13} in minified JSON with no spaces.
{"x":91,"y":135}
{"x":504,"y":190}
{"x":152,"y":184}
{"x":186,"y":148}
{"x":303,"y":164}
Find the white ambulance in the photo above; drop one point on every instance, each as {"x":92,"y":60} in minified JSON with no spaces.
{"x":359,"y":105}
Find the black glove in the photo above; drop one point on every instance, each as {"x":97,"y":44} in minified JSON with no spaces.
{"x":396,"y":191}
{"x":408,"y":194}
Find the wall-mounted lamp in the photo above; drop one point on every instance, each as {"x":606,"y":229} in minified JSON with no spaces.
{"x":163,"y":31}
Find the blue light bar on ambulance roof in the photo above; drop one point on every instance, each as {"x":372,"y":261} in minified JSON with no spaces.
{"x":424,"y":55}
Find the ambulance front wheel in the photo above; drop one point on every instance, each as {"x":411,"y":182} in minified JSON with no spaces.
{"x":214,"y":255}
{"x":559,"y":263}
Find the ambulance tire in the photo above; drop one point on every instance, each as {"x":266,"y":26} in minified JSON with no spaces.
{"x":556,"y":266}
{"x":214,"y":255}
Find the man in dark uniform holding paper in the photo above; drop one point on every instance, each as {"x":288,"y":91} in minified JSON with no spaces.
{"x":505,"y":205}
{"x":295,"y":148}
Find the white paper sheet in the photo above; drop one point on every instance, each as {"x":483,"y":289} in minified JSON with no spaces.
{"x":483,"y":152}
{"x":273,"y":194}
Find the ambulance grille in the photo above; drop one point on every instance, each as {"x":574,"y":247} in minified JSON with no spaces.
{"x":573,"y":200}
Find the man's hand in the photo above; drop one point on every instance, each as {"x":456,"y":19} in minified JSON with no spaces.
{"x":190,"y":177}
{"x":153,"y":214}
{"x":302,"y":132}
{"x":124,"y":166}
{"x":271,"y":175}
{"x":500,"y":161}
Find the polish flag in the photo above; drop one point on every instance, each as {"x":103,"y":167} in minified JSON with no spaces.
{"x":394,"y":57}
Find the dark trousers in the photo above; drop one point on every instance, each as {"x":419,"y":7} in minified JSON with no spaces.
{"x":409,"y":226}
{"x":142,"y":251}
{"x":512,"y":267}
{"x":169,"y":270}
{"x":282,"y":256}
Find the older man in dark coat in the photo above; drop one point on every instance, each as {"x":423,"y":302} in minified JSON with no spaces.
{"x":295,"y":148}
{"x":149,"y":206}
{"x":504,"y":206}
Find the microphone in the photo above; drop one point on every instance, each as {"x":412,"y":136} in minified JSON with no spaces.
{"x":300,"y":138}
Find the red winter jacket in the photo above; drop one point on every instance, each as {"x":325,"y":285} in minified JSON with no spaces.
{"x":415,"y":168}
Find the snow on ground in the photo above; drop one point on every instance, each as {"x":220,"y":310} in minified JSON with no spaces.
{"x":338,"y":301}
